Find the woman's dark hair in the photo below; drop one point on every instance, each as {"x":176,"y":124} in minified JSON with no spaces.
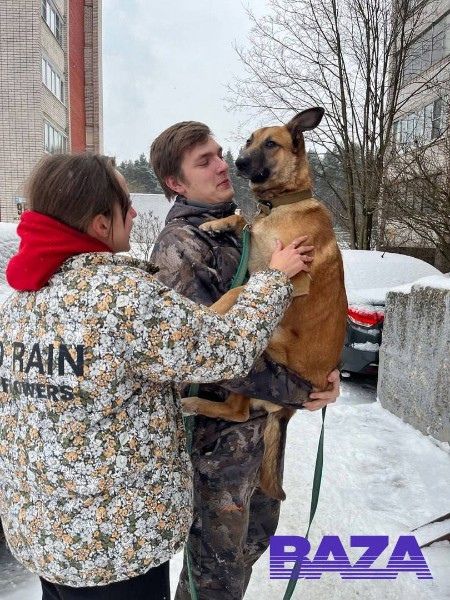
{"x":74,"y":188}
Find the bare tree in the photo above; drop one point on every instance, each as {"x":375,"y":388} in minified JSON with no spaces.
{"x":417,"y":198}
{"x":146,"y":228}
{"x":352,"y":57}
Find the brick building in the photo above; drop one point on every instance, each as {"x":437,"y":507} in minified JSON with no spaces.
{"x":50,"y":87}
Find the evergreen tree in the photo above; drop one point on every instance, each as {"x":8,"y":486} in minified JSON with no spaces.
{"x":140,"y":176}
{"x":242,"y":194}
{"x":328,"y":180}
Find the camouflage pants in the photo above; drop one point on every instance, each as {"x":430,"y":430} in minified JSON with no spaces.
{"x":233,"y":519}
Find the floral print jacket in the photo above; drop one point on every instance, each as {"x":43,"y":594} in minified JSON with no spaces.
{"x":95,"y":481}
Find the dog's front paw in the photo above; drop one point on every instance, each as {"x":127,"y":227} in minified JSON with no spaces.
{"x":189,"y":406}
{"x":212,"y":229}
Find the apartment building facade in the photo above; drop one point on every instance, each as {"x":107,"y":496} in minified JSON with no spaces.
{"x":420,"y":158}
{"x":50,"y":87}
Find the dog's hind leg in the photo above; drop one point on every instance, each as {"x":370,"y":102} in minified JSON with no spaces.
{"x":274,"y":441}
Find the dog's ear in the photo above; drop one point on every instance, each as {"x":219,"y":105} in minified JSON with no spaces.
{"x":305,"y":121}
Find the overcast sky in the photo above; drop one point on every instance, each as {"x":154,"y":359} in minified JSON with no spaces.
{"x":169,"y":61}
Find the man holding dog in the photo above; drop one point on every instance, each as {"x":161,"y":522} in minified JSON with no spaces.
{"x":233,"y":519}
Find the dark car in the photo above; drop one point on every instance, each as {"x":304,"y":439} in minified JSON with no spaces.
{"x":369,"y":275}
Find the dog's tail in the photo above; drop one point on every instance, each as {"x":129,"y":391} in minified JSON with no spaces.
{"x":272,"y":463}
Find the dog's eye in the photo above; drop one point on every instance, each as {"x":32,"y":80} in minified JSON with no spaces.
{"x":248,"y":142}
{"x":270,"y":144}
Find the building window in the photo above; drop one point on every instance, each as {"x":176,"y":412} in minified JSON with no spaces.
{"x":428,"y":123}
{"x":420,"y":193}
{"x":53,"y":19}
{"x":55,"y":142}
{"x":429,"y":48}
{"x":413,"y":195}
{"x":52,"y":80}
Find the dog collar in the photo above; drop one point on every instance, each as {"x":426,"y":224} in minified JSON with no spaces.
{"x":266,"y":206}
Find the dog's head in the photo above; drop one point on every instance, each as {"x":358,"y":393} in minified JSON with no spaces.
{"x":274,"y":158}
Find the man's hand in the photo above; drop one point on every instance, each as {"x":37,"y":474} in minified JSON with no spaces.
{"x":321,"y":399}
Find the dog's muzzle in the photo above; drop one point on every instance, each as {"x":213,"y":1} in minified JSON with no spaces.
{"x":261,"y":176}
{"x":245,"y":169}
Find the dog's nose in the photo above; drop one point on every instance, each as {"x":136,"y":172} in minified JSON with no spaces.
{"x":242,"y":162}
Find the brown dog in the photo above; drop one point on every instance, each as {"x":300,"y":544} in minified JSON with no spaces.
{"x":310,"y":337}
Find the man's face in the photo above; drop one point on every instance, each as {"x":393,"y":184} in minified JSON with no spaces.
{"x":205,"y":175}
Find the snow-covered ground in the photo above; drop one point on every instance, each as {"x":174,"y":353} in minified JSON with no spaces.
{"x":381,"y":477}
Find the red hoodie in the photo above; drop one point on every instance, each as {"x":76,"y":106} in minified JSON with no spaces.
{"x":45,"y":244}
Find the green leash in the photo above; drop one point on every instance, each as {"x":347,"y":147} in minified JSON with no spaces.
{"x":243,"y":265}
{"x":189,"y":422}
{"x":314,"y":500}
{"x":189,"y":425}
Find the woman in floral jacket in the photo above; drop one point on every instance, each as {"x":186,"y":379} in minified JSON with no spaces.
{"x":95,"y":481}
